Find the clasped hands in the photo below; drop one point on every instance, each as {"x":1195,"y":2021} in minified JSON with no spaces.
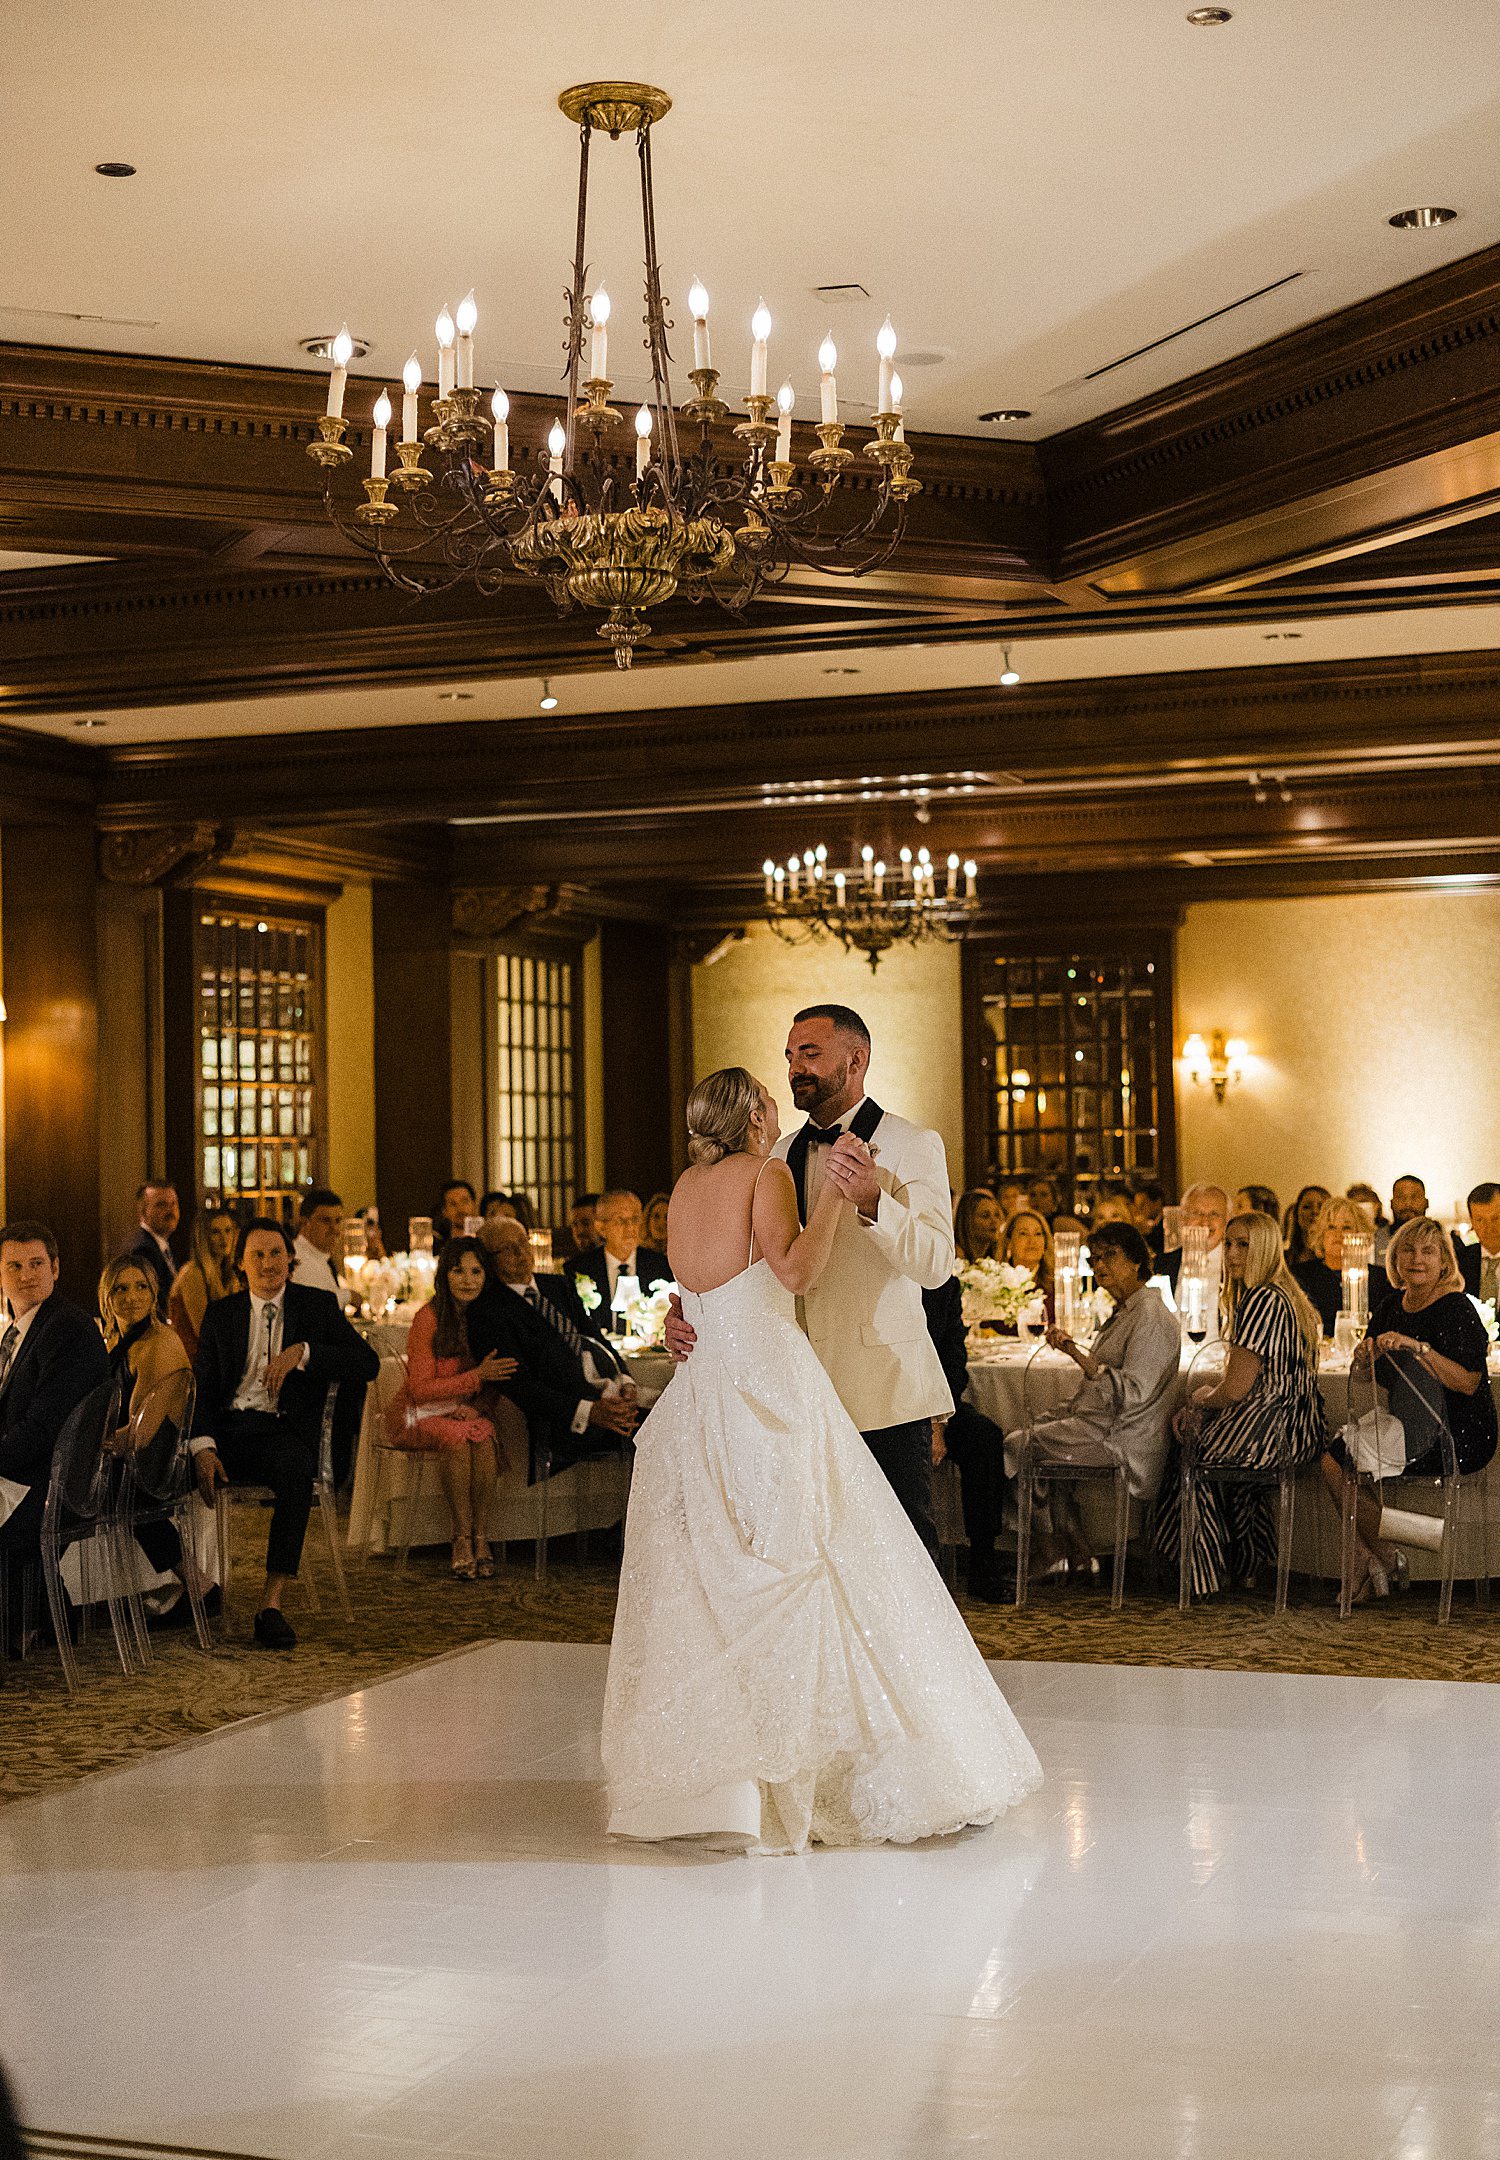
{"x":851,"y":1167}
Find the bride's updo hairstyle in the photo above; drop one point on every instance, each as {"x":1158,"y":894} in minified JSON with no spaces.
{"x":719,"y":1111}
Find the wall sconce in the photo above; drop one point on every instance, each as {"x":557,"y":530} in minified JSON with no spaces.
{"x":1215,"y":1061}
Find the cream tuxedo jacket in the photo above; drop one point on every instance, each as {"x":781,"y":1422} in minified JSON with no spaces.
{"x":864,"y":1315}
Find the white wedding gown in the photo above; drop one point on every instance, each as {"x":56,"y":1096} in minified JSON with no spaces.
{"x":787,"y":1665}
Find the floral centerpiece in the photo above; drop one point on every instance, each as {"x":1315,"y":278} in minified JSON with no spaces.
{"x":590,"y":1297}
{"x":646,"y":1315}
{"x":399,"y":1280}
{"x":998,"y":1295}
{"x":1485,"y":1307}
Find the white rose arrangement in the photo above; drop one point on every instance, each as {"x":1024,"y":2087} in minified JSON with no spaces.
{"x":999,"y":1294}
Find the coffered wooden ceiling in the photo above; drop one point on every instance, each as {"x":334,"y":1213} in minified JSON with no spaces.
{"x":1343,"y":472}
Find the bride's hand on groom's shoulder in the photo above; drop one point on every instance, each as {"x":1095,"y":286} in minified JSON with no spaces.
{"x":679,"y":1337}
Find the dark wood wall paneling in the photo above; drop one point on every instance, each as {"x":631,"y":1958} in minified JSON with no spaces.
{"x":640,"y":1112}
{"x":413,"y":937}
{"x":49,"y":936}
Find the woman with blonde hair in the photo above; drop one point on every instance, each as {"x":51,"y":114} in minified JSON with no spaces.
{"x":1321,"y":1274}
{"x":144,"y":1354}
{"x":1426,"y":1319}
{"x":1027,"y":1242}
{"x":1265,"y":1410}
{"x":787,"y":1665}
{"x":210,"y":1274}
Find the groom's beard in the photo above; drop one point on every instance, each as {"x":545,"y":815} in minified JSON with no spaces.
{"x":821,"y":1100}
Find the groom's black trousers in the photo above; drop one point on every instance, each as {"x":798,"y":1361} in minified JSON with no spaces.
{"x":904,"y":1453}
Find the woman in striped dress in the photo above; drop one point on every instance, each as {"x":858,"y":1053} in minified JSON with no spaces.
{"x":1264,"y":1410}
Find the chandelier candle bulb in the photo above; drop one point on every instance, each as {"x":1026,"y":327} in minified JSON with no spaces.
{"x":838,"y":886}
{"x":411,"y":383}
{"x":698,"y":303}
{"x":786,"y":398}
{"x":828,"y":360}
{"x":760,"y":331}
{"x":557,"y":442}
{"x":793,"y":868}
{"x":779,"y":880}
{"x":343,"y":353}
{"x":599,"y":347}
{"x":500,"y":407}
{"x":770,"y":873}
{"x":382,"y":419}
{"x":879,"y":879}
{"x":468,"y":316}
{"x":906,"y":866}
{"x":885,"y":345}
{"x":895,"y":406}
{"x":952,"y":877}
{"x":971,"y":871}
{"x":642,"y":441}
{"x":445,"y":336}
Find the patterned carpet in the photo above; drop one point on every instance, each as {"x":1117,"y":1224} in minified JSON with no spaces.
{"x":46,"y":1742}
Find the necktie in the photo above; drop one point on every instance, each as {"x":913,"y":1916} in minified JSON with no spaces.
{"x":1489,"y":1279}
{"x":268,"y":1346}
{"x":562,"y":1323}
{"x":8,"y":1344}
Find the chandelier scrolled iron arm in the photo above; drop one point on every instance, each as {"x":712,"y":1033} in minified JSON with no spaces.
{"x":574,"y":518}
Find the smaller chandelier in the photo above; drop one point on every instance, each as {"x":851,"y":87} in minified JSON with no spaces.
{"x":869,"y":908}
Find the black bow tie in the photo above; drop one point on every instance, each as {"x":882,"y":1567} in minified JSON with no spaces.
{"x":823,"y":1135}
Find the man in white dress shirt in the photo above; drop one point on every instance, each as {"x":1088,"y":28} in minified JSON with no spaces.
{"x":320,"y":1228}
{"x":864,"y":1316}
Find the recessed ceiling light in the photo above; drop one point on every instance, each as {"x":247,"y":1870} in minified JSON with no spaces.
{"x":90,"y":721}
{"x":455,"y":697}
{"x":111,"y":170}
{"x":926,"y":356}
{"x":1208,"y":18}
{"x":1423,"y":218}
{"x":321,"y":348}
{"x":1008,"y":412}
{"x":548,"y":701}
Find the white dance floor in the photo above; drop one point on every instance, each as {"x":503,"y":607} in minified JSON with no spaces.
{"x":1247,"y":1915}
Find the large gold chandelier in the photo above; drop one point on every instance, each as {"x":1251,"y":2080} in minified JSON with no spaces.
{"x":596,"y":528}
{"x":869,"y":908}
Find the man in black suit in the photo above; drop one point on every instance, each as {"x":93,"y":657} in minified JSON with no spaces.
{"x":1480,"y":1264}
{"x":564,"y":1369}
{"x":51,"y":1356}
{"x":266,"y":1359}
{"x":620,"y":1221}
{"x":159,"y":1212}
{"x":974,"y":1441}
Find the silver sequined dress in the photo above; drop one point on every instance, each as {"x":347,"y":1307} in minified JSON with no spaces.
{"x":787,"y":1666}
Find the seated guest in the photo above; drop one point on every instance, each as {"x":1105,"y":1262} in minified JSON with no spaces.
{"x":1204,"y":1207}
{"x":620,"y":1225}
{"x":977,"y":1224}
{"x":1369,"y":1199}
{"x":494,"y":1205}
{"x":159,"y":1213}
{"x":1257,"y":1200}
{"x":582,"y":1233}
{"x":1027,"y":1242}
{"x":1266,"y":1408}
{"x":51,"y":1357}
{"x":1426,"y":1314}
{"x":317,"y":1252}
{"x":1118,"y":1415}
{"x":523,"y":1208}
{"x":1043,"y":1195}
{"x":561,"y":1370}
{"x":1011,"y":1194}
{"x":656,"y":1221}
{"x":266,"y":1359}
{"x":143,"y":1354}
{"x":973,"y":1441}
{"x":1300,"y":1217}
{"x":1480,"y":1263}
{"x":457,"y":1204}
{"x":209,"y":1275}
{"x":1148,"y":1204}
{"x":1111,"y":1203}
{"x":1321,"y":1274}
{"x":435,"y":1408}
{"x":1408,"y":1200}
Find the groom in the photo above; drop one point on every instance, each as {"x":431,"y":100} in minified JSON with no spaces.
{"x":864,"y":1315}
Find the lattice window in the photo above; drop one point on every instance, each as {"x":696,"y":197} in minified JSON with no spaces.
{"x":536,"y":1080}
{"x":1075,"y":1057}
{"x":259,"y":1010}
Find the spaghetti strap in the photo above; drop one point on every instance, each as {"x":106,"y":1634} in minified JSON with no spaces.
{"x":755,"y":1188}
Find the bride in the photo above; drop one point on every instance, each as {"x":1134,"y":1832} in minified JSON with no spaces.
{"x":787,"y":1666}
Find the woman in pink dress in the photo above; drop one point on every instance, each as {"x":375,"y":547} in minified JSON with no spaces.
{"x":436,"y":1410}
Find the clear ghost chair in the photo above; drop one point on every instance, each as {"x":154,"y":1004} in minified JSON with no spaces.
{"x":328,"y":1514}
{"x":81,"y":1509}
{"x":157,"y":1486}
{"x":1384,"y":1436}
{"x":1277,"y":1471}
{"x":1030,"y":1473}
{"x":410,"y":1463}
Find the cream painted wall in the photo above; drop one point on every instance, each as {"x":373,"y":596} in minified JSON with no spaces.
{"x":1373,"y":1021}
{"x":349,"y":963}
{"x":743,"y":1006}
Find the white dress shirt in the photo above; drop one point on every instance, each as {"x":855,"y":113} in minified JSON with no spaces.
{"x":265,"y":1344}
{"x":817,"y":1157}
{"x":314,"y":1268}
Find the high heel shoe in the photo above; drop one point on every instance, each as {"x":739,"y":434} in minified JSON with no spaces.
{"x":462,"y":1570}
{"x":484,"y":1565}
{"x":1400,"y":1571}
